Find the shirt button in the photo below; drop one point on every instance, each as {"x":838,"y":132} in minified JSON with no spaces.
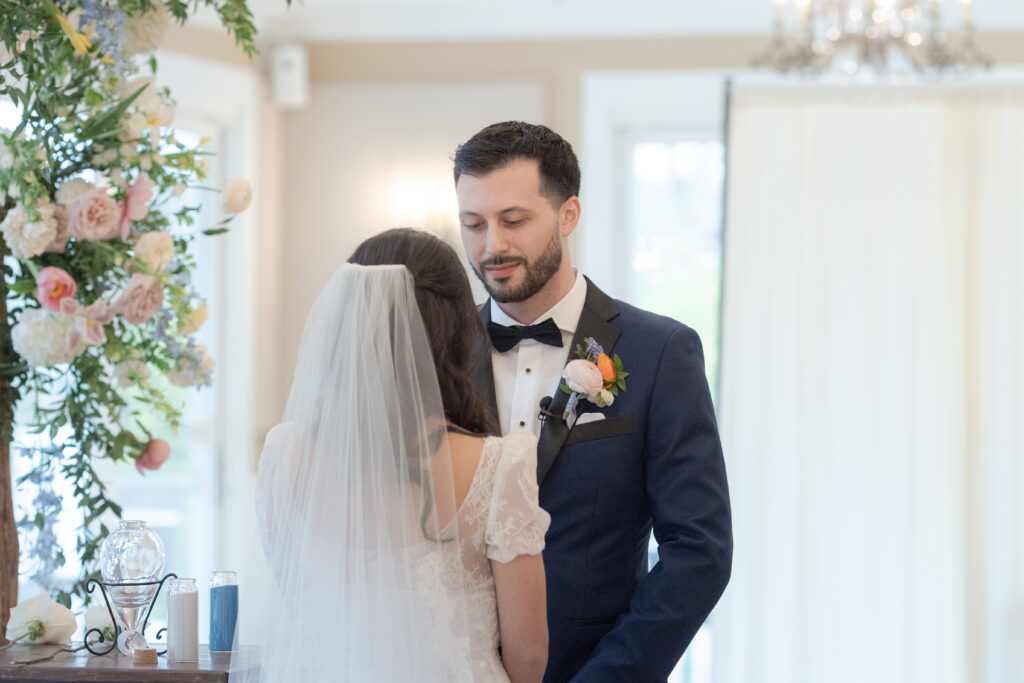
{"x":522,"y":423}
{"x":527,"y":371}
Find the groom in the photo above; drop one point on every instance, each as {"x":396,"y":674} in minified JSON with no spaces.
{"x":607,"y":474}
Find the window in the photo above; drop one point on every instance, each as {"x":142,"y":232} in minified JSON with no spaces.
{"x":675,"y":230}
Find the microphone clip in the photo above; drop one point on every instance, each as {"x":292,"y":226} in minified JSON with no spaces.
{"x":544,"y":413}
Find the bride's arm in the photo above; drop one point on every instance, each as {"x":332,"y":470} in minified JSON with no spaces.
{"x":515,"y":538}
{"x":522,"y":617}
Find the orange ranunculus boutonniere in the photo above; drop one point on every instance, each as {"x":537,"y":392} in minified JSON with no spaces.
{"x":613,"y":377}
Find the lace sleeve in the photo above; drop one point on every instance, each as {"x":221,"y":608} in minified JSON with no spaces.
{"x":516,"y":523}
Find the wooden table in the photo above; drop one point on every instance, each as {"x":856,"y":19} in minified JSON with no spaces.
{"x":81,"y":666}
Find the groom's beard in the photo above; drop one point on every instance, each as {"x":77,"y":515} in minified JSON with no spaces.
{"x":536,"y":274}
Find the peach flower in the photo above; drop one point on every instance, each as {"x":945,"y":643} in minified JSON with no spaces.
{"x":60,"y":239}
{"x":52,"y":285}
{"x":141,"y":299}
{"x":154,"y":456}
{"x":155,"y":249}
{"x":237,"y":195}
{"x":89,"y":322}
{"x":94,"y":215}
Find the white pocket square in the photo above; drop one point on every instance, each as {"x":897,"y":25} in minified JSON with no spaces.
{"x":588,"y":417}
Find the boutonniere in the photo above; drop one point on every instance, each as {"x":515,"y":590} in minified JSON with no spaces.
{"x":593,"y":375}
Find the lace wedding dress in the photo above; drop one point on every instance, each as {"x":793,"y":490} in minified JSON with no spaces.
{"x":375,"y":573}
{"x":499,"y":520}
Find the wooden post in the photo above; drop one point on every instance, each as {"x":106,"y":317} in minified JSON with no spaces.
{"x":8,"y":540}
{"x":8,"y":528}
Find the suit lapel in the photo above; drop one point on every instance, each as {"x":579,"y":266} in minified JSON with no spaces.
{"x":598,"y":309}
{"x":481,"y":372}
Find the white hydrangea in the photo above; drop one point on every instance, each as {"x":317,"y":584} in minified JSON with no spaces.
{"x":41,"y":338}
{"x":71,"y":188}
{"x":143,"y":33}
{"x":189,"y":374}
{"x":124,"y":372}
{"x":27,"y":239}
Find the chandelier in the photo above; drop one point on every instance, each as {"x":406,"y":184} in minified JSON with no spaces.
{"x":854,"y":37}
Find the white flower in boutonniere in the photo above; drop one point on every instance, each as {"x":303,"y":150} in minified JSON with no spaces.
{"x":593,"y":374}
{"x":41,"y":620}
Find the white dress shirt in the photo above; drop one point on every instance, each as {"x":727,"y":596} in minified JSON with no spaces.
{"x":531,"y":370}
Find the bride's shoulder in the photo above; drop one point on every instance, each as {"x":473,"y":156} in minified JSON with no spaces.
{"x":285,"y":433}
{"x":518,"y":445}
{"x":284,"y":440}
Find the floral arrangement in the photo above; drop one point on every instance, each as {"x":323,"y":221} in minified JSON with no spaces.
{"x":593,"y":374}
{"x":96,"y":300}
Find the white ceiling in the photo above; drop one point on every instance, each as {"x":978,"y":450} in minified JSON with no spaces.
{"x":443,"y":20}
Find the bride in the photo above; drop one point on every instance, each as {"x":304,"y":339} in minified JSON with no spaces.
{"x":403,"y":537}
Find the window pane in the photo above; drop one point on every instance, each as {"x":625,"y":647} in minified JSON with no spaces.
{"x":676,"y":234}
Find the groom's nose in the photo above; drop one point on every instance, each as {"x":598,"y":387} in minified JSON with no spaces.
{"x":497,"y":240}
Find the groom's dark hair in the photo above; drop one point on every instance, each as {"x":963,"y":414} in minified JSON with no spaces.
{"x":499,"y":144}
{"x":449,"y":315}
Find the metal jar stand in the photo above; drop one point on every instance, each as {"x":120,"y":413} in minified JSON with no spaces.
{"x":92,"y":583}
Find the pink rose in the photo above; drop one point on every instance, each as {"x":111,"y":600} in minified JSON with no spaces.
{"x":52,"y":285}
{"x":140,"y":299}
{"x":93,"y":215}
{"x":583,"y":377}
{"x":156,"y":453}
{"x":135,"y":205}
{"x":60,"y":240}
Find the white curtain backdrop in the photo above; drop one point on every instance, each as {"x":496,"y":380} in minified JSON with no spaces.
{"x":872,"y":398}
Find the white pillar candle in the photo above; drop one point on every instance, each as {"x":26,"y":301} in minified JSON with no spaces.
{"x":183,"y":621}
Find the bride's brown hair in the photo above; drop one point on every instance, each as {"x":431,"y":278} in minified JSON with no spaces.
{"x":449,"y":315}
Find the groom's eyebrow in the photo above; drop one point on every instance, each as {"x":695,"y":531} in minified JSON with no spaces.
{"x":510,"y":209}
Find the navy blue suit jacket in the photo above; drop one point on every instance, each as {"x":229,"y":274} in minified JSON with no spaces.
{"x":654,"y":461}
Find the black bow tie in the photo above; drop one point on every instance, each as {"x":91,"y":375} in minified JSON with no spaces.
{"x":505,"y":338}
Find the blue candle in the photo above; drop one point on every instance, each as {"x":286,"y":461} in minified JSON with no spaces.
{"x":223,"y":610}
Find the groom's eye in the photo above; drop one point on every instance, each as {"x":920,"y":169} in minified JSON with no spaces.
{"x":472,"y":226}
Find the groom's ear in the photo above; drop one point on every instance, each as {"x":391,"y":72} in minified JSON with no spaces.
{"x":569,"y":215}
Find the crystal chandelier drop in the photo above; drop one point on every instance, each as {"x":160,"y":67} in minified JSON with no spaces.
{"x":870,"y":37}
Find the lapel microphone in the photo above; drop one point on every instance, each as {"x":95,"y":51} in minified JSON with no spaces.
{"x":544,"y":413}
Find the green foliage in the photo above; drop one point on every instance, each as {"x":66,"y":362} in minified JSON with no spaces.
{"x":83,"y":118}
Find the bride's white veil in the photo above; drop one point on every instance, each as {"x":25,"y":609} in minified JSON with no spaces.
{"x":354,"y":499}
